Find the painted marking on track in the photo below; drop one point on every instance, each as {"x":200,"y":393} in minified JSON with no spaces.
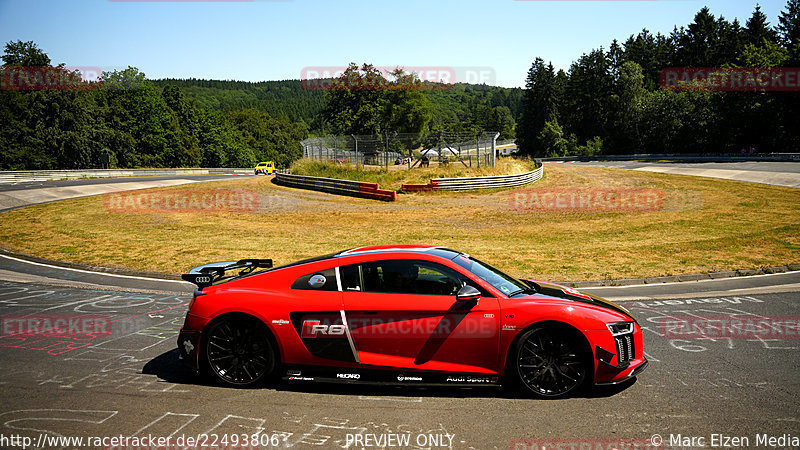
{"x":151,"y":312}
{"x":164,"y":418}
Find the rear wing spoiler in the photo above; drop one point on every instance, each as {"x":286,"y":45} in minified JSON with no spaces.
{"x":208,"y":274}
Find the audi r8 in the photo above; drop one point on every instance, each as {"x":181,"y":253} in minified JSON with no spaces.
{"x":402,"y":314}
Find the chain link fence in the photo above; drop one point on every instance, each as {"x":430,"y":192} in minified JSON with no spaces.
{"x":410,"y":150}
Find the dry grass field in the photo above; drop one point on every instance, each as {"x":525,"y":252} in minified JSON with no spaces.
{"x":393,"y":176}
{"x":700,"y":225}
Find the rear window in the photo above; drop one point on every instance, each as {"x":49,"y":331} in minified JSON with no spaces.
{"x":323,"y":280}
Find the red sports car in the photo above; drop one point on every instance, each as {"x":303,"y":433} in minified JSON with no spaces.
{"x":402,"y":314}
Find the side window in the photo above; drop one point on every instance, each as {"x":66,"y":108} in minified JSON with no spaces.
{"x":351,"y":278}
{"x":433,"y":279}
{"x":407,"y":277}
{"x":324,"y":280}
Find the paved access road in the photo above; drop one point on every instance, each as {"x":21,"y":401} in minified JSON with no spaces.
{"x":763,"y":172}
{"x":125,"y":379}
{"x":14,"y":195}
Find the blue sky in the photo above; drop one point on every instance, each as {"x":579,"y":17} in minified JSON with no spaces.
{"x":271,"y":40}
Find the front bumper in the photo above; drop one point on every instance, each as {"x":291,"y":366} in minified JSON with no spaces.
{"x":617,"y":359}
{"x":636,"y":370}
{"x":188,"y":346}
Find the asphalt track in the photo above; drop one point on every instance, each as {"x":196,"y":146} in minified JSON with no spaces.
{"x":125,"y":379}
{"x":14,"y":195}
{"x":763,"y":172}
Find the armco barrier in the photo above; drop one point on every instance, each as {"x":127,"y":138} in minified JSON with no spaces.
{"x":336,"y":186}
{"x":18,"y":176}
{"x":470,"y":183}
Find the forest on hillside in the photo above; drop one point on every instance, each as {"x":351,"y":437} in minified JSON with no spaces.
{"x":610,"y":100}
{"x":138,"y":122}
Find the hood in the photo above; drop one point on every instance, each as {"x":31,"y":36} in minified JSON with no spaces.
{"x":567,"y":293}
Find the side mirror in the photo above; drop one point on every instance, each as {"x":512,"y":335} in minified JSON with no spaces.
{"x":468,"y":294}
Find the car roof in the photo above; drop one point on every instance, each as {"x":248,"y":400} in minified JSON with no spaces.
{"x":441,"y":252}
{"x":386,"y":248}
{"x":403,"y":248}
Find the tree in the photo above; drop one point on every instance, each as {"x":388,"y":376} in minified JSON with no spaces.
{"x":269,"y":139}
{"x":589,"y":87}
{"x":615,"y":56}
{"x":698,"y":43}
{"x":502,"y":121}
{"x":484,"y":117}
{"x":356,"y":101}
{"x":758,"y":31}
{"x":137,"y":107}
{"x":551,"y":139}
{"x":768,"y":54}
{"x":142,"y":124}
{"x":789,"y":30}
{"x":731,"y":40}
{"x":540,"y":105}
{"x":651,"y":52}
{"x":184,"y":117}
{"x":363,"y":101}
{"x":25,"y":54}
{"x":627,"y":108}
{"x":407,"y":109}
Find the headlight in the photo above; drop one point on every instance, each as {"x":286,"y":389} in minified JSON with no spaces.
{"x":619,"y":328}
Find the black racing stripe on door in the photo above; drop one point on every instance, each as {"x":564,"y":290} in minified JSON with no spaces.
{"x":323,"y":334}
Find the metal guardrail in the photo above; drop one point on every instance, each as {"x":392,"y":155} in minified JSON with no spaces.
{"x":501,"y":181}
{"x":336,"y":186}
{"x":471,"y":183}
{"x":18,"y":176}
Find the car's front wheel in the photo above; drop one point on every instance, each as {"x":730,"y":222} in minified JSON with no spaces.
{"x":551,"y":362}
{"x":239,"y":352}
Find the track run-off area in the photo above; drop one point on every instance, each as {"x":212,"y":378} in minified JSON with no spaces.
{"x":117,"y":374}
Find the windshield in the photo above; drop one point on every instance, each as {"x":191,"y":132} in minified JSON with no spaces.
{"x":504,"y":283}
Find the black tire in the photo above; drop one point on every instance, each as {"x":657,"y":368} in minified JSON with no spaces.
{"x":551,"y":362}
{"x":238,"y":352}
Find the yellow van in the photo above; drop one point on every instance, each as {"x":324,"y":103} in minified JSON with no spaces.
{"x":266,"y":167}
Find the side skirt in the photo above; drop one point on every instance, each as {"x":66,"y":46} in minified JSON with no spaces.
{"x":386,"y":377}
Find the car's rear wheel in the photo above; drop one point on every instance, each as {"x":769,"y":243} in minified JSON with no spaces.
{"x":551,"y":362}
{"x":239,"y":352}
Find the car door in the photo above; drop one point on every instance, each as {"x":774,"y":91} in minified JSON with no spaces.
{"x":403,"y":314}
{"x":318,"y":320}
